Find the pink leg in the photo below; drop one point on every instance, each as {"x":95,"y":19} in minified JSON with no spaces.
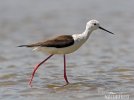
{"x":35,"y":69}
{"x":65,"y":76}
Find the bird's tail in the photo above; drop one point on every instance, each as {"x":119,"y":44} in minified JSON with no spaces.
{"x":24,"y":46}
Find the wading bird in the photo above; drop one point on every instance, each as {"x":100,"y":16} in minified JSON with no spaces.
{"x":64,"y":44}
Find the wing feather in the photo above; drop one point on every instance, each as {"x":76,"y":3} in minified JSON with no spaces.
{"x":58,"y":42}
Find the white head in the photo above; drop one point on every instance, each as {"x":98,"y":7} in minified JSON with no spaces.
{"x":93,"y":25}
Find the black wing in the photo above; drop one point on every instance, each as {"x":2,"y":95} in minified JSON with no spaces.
{"x":58,"y":42}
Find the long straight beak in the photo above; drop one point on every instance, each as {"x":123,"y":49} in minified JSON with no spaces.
{"x":105,"y":30}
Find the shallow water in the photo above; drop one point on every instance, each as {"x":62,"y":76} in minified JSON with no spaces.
{"x":103,"y":67}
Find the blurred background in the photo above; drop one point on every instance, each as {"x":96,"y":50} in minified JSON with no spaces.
{"x":105,"y":63}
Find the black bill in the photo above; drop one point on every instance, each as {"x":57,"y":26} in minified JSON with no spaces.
{"x":105,"y":30}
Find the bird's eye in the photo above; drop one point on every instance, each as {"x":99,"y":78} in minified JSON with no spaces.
{"x":94,"y":23}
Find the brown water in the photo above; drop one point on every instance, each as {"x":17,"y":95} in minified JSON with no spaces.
{"x":102,"y":68}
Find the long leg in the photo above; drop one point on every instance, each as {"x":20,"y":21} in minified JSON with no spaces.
{"x":36,"y":67}
{"x":65,"y":76}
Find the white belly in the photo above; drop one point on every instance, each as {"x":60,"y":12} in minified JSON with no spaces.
{"x":53,"y":50}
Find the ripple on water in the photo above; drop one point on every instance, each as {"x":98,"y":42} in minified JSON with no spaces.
{"x":118,"y":69}
{"x":8,"y":76}
{"x":8,"y":83}
{"x":85,"y":85}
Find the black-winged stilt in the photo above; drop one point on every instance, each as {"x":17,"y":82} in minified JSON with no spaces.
{"x":64,"y":44}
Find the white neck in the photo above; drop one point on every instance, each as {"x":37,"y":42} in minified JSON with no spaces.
{"x":82,"y":37}
{"x":86,"y":33}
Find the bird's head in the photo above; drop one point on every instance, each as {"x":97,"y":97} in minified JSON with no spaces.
{"x":94,"y":24}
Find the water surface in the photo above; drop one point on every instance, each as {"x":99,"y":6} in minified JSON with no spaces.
{"x":103,"y":66}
